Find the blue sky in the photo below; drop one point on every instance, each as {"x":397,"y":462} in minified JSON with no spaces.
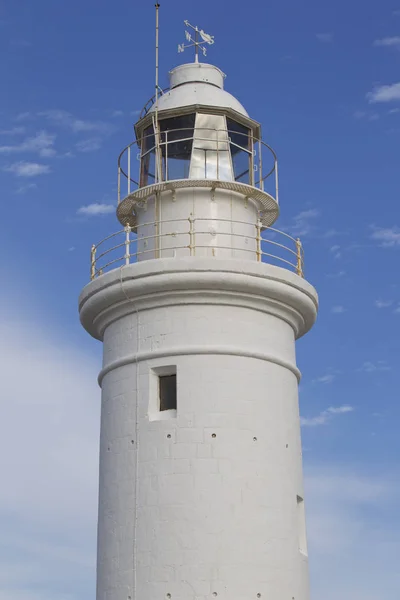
{"x":323,"y":79}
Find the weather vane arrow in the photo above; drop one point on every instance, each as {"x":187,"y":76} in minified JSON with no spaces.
{"x":195,"y":42}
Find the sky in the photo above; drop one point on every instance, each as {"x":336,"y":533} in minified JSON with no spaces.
{"x":324,"y":81}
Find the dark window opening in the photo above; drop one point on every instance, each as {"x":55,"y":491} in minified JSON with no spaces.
{"x":148,"y":157}
{"x":167,"y":392}
{"x":176,"y":142}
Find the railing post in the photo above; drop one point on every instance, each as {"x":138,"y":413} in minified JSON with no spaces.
{"x":258,"y":238}
{"x":166,"y":155}
{"x":119,"y":184}
{"x":299,"y":255}
{"x":218,"y":154}
{"x":93,"y":262}
{"x":191,"y":235}
{"x":129,"y":170}
{"x":127,"y":243}
{"x":260,"y":175}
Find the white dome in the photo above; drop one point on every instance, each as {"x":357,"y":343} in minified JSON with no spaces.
{"x":198,"y":83}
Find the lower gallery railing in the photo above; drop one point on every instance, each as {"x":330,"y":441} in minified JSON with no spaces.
{"x":221,"y":238}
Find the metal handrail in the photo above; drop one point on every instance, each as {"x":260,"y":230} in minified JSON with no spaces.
{"x":133,"y":254}
{"x":251,"y":145}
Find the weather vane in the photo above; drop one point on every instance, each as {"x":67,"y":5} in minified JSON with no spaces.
{"x":205,"y":39}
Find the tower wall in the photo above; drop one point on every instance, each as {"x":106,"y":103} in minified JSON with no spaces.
{"x":223,"y":226}
{"x":208,"y":501}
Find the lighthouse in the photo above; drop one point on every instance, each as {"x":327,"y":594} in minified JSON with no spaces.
{"x":198,"y":300}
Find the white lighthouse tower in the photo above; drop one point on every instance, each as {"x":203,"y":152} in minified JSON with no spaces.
{"x":198,"y":302}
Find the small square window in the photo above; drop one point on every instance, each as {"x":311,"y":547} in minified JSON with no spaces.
{"x":167,"y":392}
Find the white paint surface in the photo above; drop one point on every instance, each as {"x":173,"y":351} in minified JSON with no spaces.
{"x":204,"y":503}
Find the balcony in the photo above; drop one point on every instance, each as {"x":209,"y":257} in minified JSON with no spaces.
{"x":197,"y":237}
{"x":228,"y":158}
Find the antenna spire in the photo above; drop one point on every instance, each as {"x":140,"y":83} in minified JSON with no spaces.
{"x":198,"y":44}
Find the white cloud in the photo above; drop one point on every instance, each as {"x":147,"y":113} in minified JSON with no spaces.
{"x":332,"y":233}
{"x":95,"y":209}
{"x":329,"y":378}
{"x":67,"y":120}
{"x":336,"y":275}
{"x":89,"y":145}
{"x":370,"y":367}
{"x":384,"y":93}
{"x":13,"y":131}
{"x":388,"y":237}
{"x":117,"y":113}
{"x":388,"y":42}
{"x":22,"y":189}
{"x":325,"y":38}
{"x":383,"y":303}
{"x":338,"y":309}
{"x":49,"y":428}
{"x":353,"y":532}
{"x":325,"y":416}
{"x":42,"y":143}
{"x":23,"y":116}
{"x":303,"y":222}
{"x":368,"y":116}
{"x":335,"y":249}
{"x":27,"y":169}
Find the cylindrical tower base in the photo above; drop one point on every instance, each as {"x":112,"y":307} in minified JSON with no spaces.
{"x":202,"y":498}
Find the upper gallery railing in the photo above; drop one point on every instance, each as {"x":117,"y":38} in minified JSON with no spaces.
{"x":196,"y":153}
{"x":197,"y":237}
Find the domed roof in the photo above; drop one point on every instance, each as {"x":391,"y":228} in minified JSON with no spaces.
{"x":197,"y":83}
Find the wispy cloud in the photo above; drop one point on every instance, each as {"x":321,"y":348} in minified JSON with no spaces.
{"x":325,"y":416}
{"x":384,"y":93}
{"x":27,"y":169}
{"x":387,"y":237}
{"x":328,"y":378}
{"x":52,"y":529}
{"x":117,"y":113}
{"x":366,"y":115}
{"x":23,"y":116}
{"x":370,"y":367}
{"x":335,"y":250}
{"x":89,"y":145}
{"x":353,"y":512}
{"x":42,"y":143}
{"x":23,"y":189}
{"x":67,"y":120}
{"x":325,"y":38}
{"x":336,"y":275}
{"x":338,"y":309}
{"x":95,"y":209}
{"x":304,"y":222}
{"x":389,"y":42}
{"x":332,"y":233}
{"x":383,"y":303}
{"x":13,"y":131}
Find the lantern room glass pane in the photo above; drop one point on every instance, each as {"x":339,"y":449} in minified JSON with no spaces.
{"x":241,"y":151}
{"x":211,"y":157}
{"x":148,"y":157}
{"x":176,"y":142}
